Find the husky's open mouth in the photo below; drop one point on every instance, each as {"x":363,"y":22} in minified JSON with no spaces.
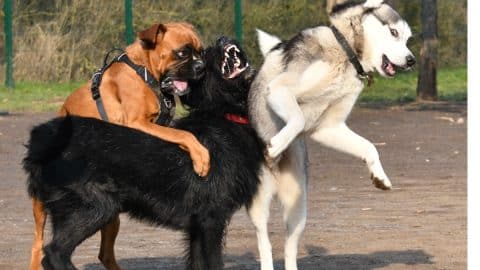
{"x":234,"y":62}
{"x":388,"y":67}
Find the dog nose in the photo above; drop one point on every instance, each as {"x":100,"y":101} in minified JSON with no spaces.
{"x":411,"y":61}
{"x":198,"y":68}
{"x":222,"y":41}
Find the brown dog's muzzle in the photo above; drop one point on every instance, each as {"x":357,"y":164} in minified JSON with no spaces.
{"x":198,"y":68}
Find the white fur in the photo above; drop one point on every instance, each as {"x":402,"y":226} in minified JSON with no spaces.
{"x":373,"y":3}
{"x":313,"y":99}
{"x":267,"y":41}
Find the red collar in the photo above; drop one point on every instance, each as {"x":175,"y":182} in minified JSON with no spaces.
{"x":237,"y":118}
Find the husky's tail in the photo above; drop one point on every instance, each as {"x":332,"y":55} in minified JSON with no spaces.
{"x":266,"y":41}
{"x":46,"y":142}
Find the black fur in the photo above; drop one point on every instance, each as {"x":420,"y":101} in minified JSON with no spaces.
{"x":86,"y":171}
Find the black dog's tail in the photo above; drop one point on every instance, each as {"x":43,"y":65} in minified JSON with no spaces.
{"x":46,"y":142}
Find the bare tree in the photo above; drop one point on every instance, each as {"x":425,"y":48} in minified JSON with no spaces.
{"x":427,"y":75}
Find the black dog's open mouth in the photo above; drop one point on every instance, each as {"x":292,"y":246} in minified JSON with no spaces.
{"x":388,"y":67}
{"x":173,"y":86}
{"x":234,"y":63}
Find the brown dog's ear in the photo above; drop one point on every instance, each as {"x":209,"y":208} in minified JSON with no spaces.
{"x":149,"y":36}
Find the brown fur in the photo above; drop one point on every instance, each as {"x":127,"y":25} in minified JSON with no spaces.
{"x":129,"y":101}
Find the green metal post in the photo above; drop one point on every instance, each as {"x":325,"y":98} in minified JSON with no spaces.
{"x":238,"y":21}
{"x":7,"y":9}
{"x":129,"y":36}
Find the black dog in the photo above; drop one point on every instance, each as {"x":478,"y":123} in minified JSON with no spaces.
{"x":86,"y":171}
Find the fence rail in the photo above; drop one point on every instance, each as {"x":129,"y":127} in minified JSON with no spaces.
{"x":63,"y":41}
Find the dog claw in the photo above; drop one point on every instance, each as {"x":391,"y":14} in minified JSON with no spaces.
{"x":380,"y":184}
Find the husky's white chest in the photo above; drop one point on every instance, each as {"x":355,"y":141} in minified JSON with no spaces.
{"x":333,"y":100}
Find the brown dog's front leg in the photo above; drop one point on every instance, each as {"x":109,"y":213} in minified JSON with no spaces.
{"x":186,"y":140}
{"x":39,"y":217}
{"x":108,"y":235}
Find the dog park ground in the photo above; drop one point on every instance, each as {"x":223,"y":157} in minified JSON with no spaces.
{"x":420,"y":224}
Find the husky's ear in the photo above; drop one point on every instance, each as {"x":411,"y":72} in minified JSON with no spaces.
{"x":266,"y":41}
{"x":372,"y":4}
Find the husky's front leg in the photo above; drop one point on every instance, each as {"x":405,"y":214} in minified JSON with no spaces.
{"x":340,"y":137}
{"x":283,"y":103}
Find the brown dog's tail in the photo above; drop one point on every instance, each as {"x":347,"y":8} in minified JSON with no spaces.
{"x":46,"y":142}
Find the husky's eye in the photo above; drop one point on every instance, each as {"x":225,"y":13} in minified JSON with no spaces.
{"x":394,"y":32}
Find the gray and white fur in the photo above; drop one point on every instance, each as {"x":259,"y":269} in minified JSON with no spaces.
{"x":307,"y":87}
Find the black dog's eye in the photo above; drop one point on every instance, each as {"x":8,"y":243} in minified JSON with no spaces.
{"x":394,"y":32}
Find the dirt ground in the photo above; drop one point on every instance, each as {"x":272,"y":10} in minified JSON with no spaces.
{"x":420,"y":224}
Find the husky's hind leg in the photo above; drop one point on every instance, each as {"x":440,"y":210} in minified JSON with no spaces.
{"x":259,"y":212}
{"x":292,"y":193}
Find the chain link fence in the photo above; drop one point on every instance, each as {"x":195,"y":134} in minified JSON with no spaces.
{"x":65,"y":40}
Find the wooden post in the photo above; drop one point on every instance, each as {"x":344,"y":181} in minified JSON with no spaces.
{"x":427,"y":75}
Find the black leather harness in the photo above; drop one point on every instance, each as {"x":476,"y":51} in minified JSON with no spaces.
{"x":165,"y":100}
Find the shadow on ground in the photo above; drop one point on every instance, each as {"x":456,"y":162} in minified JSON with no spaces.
{"x":317,"y":259}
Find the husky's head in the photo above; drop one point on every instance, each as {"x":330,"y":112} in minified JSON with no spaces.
{"x":386,"y":35}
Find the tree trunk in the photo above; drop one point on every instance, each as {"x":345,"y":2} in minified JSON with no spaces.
{"x":427,"y":75}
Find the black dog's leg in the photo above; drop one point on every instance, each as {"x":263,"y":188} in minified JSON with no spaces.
{"x":212,"y":242}
{"x":195,"y":257}
{"x":71,"y":226}
{"x":206,"y":243}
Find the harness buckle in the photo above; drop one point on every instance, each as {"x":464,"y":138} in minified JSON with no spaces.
{"x":168,"y":103}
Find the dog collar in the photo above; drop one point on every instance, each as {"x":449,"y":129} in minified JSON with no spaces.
{"x":237,"y":118}
{"x":352,"y":56}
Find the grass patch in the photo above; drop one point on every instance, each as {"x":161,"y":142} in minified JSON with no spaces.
{"x":35,"y":96}
{"x":452,"y":86}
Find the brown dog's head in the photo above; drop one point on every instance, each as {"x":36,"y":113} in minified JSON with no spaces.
{"x":172,"y":52}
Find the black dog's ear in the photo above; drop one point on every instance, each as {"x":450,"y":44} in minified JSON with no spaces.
{"x":150,"y":36}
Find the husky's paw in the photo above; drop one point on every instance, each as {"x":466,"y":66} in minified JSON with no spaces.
{"x":271,"y":162}
{"x":382,"y":183}
{"x":373,"y":3}
{"x":277,"y":145}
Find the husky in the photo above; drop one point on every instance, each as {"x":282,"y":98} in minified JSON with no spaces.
{"x":307,"y":86}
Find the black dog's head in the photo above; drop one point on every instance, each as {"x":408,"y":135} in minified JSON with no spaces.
{"x":227,"y":80}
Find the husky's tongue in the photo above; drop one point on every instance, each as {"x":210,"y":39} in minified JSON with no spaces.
{"x":390,"y":69}
{"x":180,"y":85}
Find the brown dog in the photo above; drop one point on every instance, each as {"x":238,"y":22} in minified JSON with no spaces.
{"x":171,"y":49}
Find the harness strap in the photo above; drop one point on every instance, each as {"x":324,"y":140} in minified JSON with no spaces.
{"x":165,"y":100}
{"x":352,"y":56}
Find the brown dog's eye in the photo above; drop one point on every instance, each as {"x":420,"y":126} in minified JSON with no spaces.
{"x":394,"y":32}
{"x":181,"y":54}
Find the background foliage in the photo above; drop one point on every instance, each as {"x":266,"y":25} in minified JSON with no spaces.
{"x":65,"y":40}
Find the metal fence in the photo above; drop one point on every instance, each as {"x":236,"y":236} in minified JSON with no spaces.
{"x":63,"y":40}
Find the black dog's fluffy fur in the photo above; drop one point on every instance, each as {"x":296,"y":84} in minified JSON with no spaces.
{"x":86,"y":171}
